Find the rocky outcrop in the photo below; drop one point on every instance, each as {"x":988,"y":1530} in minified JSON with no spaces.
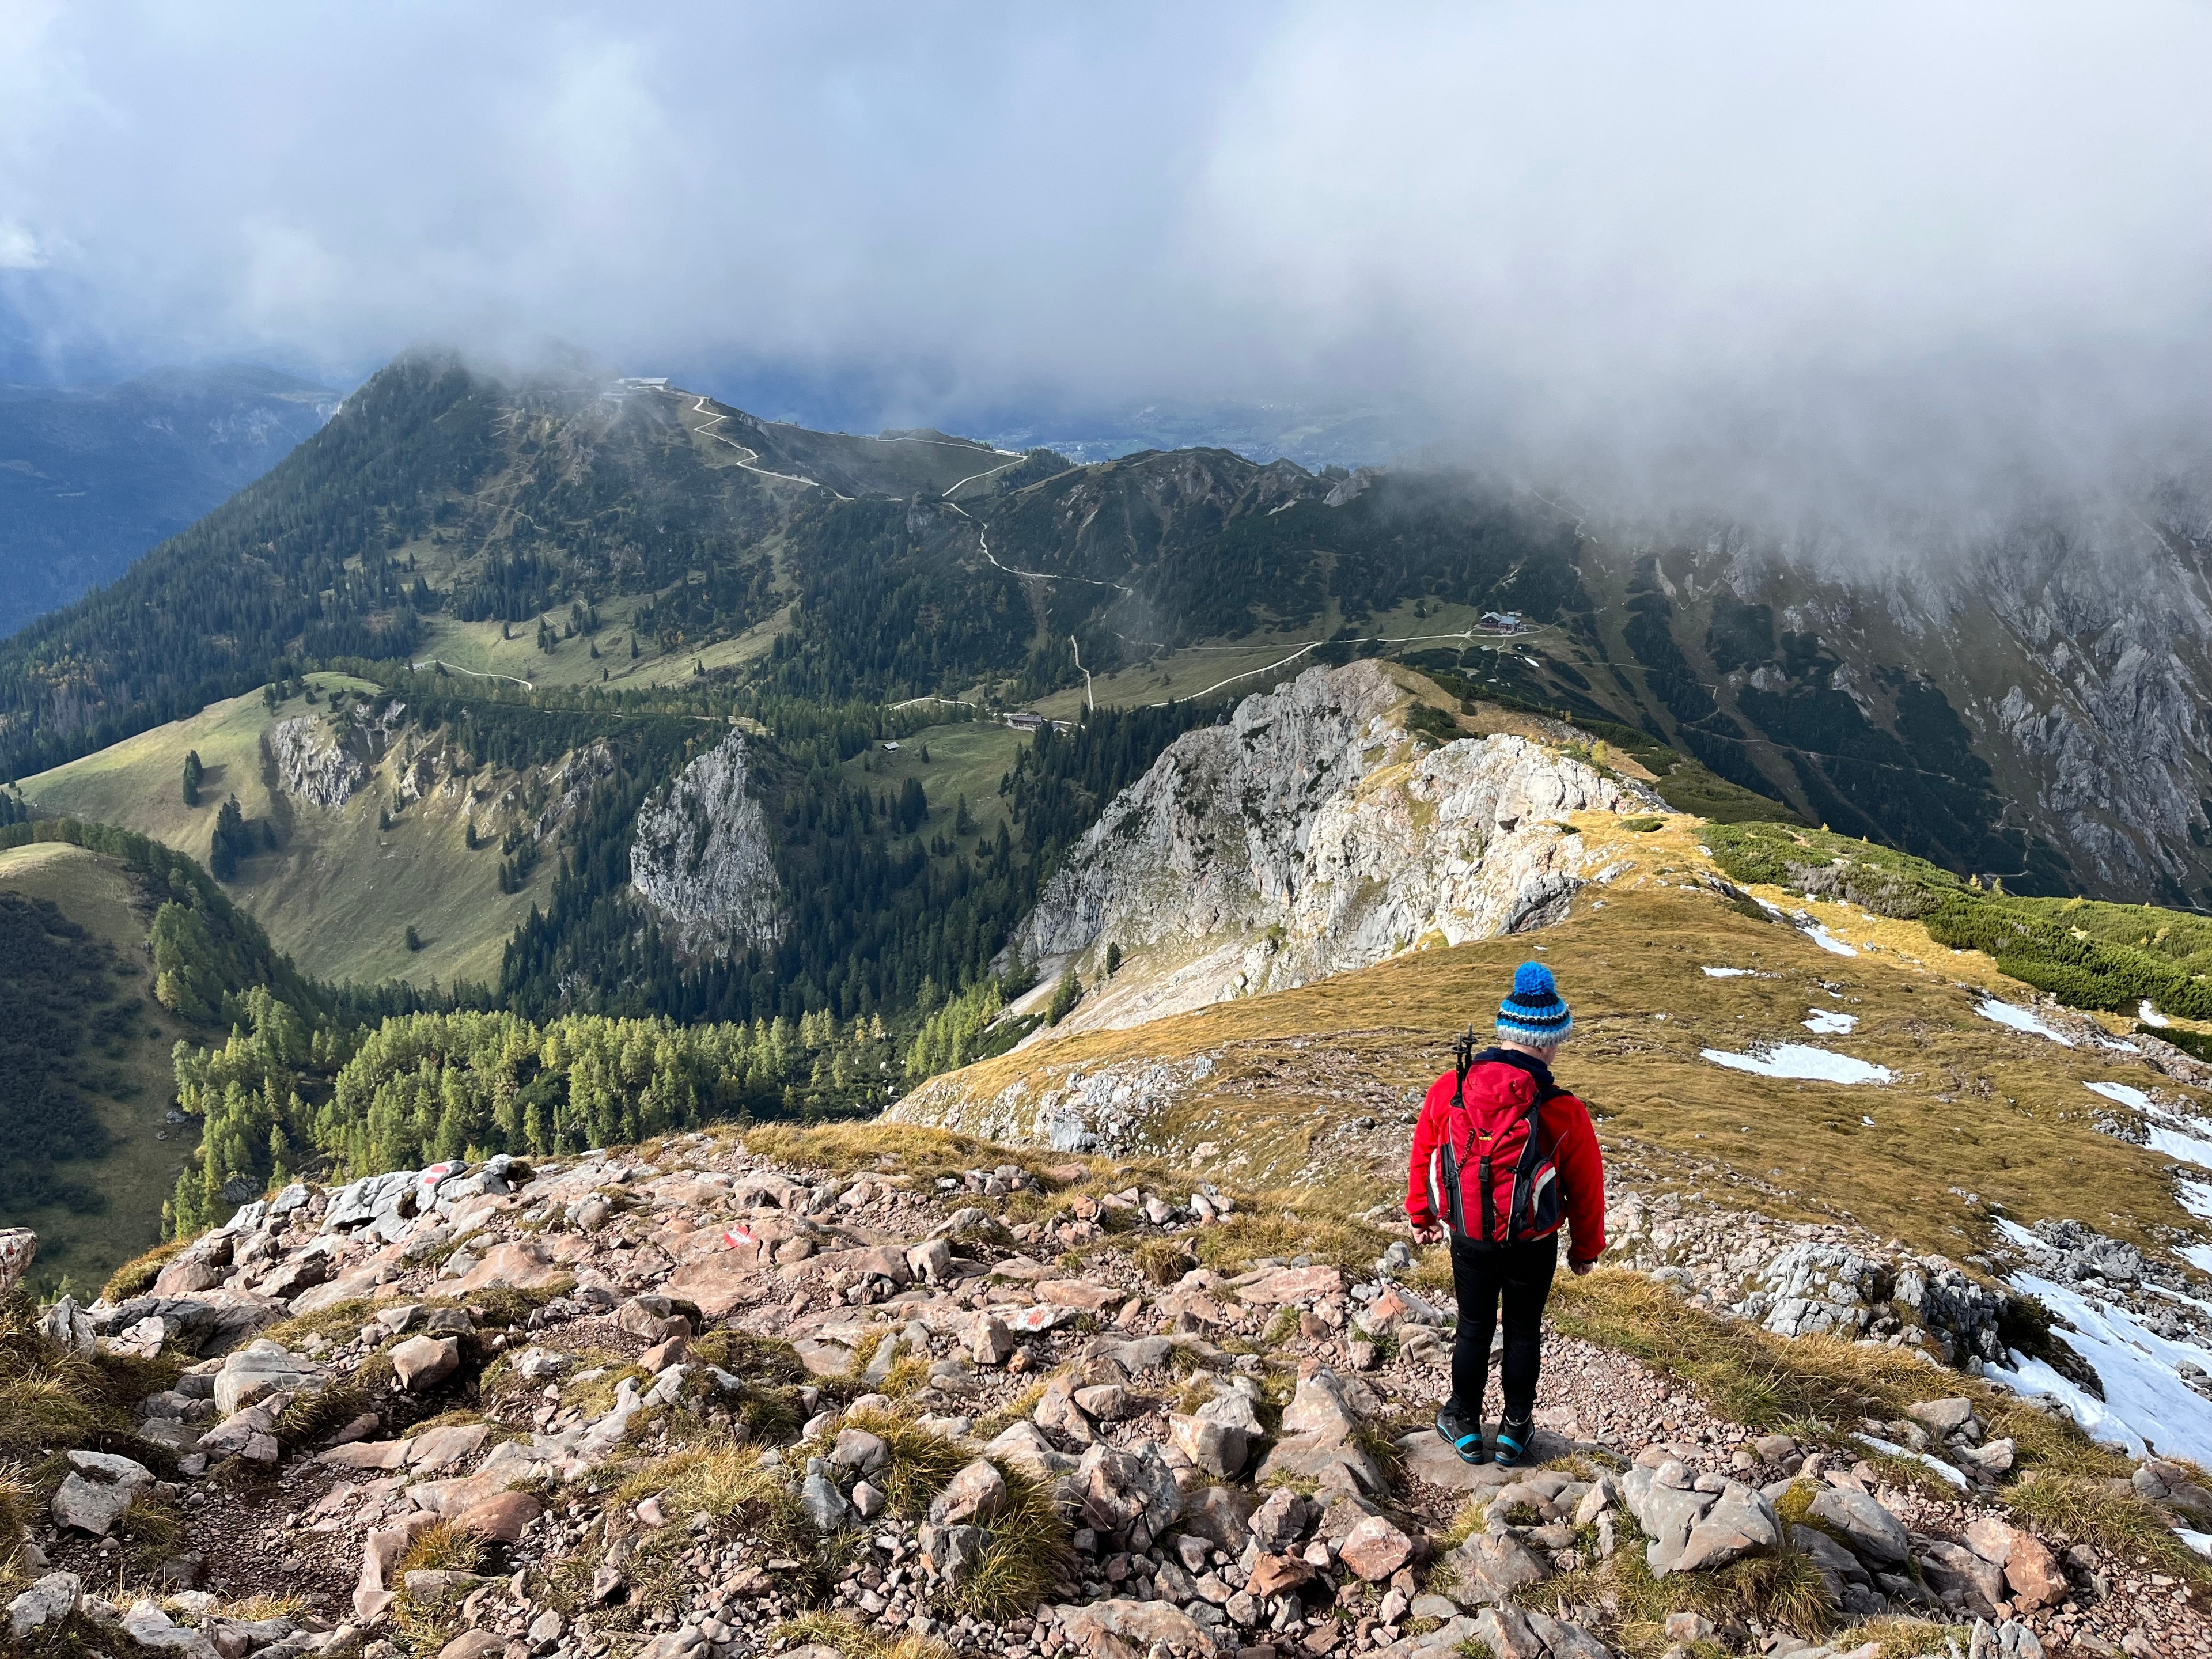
{"x":316,"y":763}
{"x":825,"y":1331}
{"x":702,"y":862}
{"x":1312,"y":833}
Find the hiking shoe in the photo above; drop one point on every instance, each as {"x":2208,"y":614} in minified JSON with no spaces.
{"x":1513,"y":1442}
{"x":1462,"y":1434}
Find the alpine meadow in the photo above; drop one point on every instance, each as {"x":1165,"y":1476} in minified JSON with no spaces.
{"x":1519,"y":689}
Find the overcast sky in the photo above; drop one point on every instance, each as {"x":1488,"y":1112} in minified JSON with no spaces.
{"x":1784,"y":227}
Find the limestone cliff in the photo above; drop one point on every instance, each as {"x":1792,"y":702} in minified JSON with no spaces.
{"x":1316,"y":832}
{"x":700,"y":859}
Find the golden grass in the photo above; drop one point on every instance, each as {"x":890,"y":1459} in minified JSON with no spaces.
{"x":426,"y":1623}
{"x":1975,"y":1107}
{"x":1029,"y":1553}
{"x":2087,"y":1510}
{"x":339,"y":1322}
{"x":854,"y":1639}
{"x":921,"y":1463}
{"x":1751,"y":1376}
{"x":51,"y":1402}
{"x":916,"y":1156}
{"x":136,"y":1277}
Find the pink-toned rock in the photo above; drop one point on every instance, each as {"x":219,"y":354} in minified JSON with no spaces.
{"x":717,"y":1282}
{"x":503,"y":1518}
{"x":2031,"y":1572}
{"x":1028,"y":1321}
{"x":358,"y":1284}
{"x":474,"y":1645}
{"x":659,"y":1356}
{"x":1295,"y":1285}
{"x":1374,"y":1549}
{"x":1273,"y":1574}
{"x":379,"y":1553}
{"x":880,"y":1261}
{"x":367,"y":1455}
{"x":438,"y":1448}
{"x":423,"y":1362}
{"x":182,"y":1277}
{"x":525,"y":1264}
{"x":1103,"y":1627}
{"x":1078,"y":1293}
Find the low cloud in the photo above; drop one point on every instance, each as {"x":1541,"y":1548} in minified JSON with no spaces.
{"x":1782,"y":253}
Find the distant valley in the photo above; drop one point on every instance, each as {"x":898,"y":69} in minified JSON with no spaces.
{"x":92,"y":477}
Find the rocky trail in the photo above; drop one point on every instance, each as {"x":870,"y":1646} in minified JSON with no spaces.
{"x":698,"y":1402}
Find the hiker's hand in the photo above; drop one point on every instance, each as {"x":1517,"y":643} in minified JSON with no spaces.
{"x":1580,"y":1267}
{"x":1433,"y":1233}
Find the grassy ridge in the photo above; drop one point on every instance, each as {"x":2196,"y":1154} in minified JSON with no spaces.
{"x":2087,"y":953}
{"x":1309,"y":1086}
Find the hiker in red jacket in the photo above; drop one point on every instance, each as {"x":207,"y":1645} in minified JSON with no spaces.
{"x":1501,"y":1156}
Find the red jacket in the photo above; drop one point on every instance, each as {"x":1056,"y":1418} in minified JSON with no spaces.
{"x":1500,"y":1086}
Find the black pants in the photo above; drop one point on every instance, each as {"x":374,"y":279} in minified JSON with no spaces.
{"x":1519,"y":1277}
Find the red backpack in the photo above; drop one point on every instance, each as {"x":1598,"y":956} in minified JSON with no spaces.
{"x":1492,"y":1176}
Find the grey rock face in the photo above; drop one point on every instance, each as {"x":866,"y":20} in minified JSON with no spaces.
{"x":701,"y":858}
{"x":316,"y":763}
{"x":1264,"y":844}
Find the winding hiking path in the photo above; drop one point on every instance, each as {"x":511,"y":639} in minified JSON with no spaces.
{"x":751,"y":455}
{"x":477,"y":673}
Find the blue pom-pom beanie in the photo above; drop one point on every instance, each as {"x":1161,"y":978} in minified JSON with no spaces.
{"x":1535,"y":1012}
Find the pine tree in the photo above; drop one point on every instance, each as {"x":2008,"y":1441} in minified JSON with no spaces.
{"x":193,"y":772}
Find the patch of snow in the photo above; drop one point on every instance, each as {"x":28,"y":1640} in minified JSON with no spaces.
{"x":2020,"y":1019}
{"x":2198,"y":1256}
{"x":2114,"y":1042}
{"x":2147,"y":1405}
{"x":1800,"y":1060}
{"x":2125,"y":1094}
{"x":2016,"y":1234}
{"x":2199,"y":1541}
{"x":2150,"y":1016}
{"x":1868,"y":1121}
{"x":1724,"y":973}
{"x":2197,"y":1302}
{"x":1891,"y":1448}
{"x":2195,"y":1197}
{"x":1828,"y":941}
{"x":1828,"y":1023}
{"x":2187,"y":1148}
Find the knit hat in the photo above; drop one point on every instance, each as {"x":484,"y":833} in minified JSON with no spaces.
{"x":1534,"y":1013}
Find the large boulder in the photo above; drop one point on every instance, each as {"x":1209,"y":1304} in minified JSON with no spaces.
{"x":1741,"y":1523}
{"x":2032,"y":1572}
{"x":1101,"y":1627}
{"x":976,"y":1495}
